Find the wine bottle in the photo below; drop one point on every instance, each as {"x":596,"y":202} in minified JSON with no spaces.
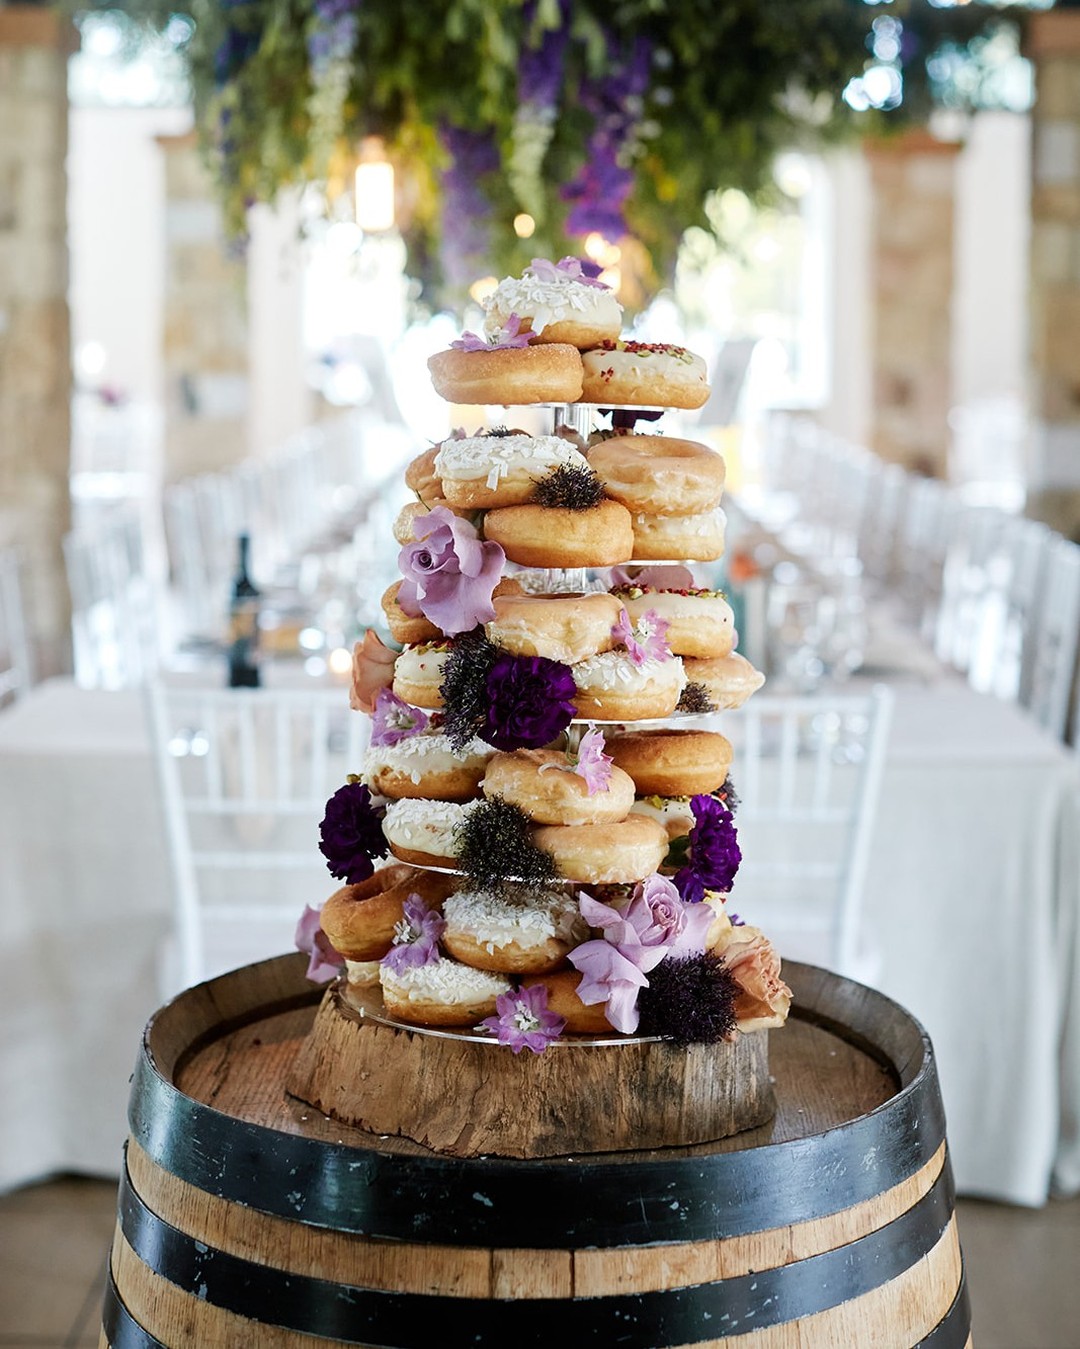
{"x":243,"y":622}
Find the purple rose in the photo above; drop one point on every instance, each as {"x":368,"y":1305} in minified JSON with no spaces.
{"x":449,"y":573}
{"x":351,"y":834}
{"x":679,"y":927}
{"x":530,"y":702}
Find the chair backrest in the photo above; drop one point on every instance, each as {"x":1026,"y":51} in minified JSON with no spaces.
{"x":114,"y":604}
{"x":808,"y":772}
{"x":245,"y":775}
{"x":972,"y":582}
{"x":1048,"y":688}
{"x":16,"y":663}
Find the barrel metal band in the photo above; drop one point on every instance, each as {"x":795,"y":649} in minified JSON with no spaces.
{"x":571,"y":1204}
{"x":954,"y":1329}
{"x":121,"y":1329}
{"x":689,"y":1315}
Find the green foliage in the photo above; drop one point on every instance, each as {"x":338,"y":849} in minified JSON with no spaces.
{"x":731,"y":82}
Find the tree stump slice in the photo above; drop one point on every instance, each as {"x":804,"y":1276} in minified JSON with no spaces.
{"x":471,"y":1097}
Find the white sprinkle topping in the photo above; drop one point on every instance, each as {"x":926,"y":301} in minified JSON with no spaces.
{"x":529,"y":921}
{"x":444,"y":980}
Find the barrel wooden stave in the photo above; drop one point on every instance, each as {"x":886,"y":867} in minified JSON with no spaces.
{"x":633,"y":1292}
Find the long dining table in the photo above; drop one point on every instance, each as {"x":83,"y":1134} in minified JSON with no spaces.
{"x":972,"y":899}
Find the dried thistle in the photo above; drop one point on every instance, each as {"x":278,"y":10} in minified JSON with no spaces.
{"x":572,"y":487}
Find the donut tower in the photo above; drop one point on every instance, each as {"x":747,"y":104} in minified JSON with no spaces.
{"x":532,"y":941}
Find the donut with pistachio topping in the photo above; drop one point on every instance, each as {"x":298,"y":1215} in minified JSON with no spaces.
{"x":645,"y":374}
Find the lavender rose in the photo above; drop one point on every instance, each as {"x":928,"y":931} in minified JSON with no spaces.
{"x":449,"y":573}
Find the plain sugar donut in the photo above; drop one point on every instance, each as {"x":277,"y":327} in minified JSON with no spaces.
{"x":556,"y":536}
{"x":566,"y":628}
{"x":728,"y":680}
{"x":659,"y":475}
{"x":673,"y":763}
{"x":547,"y":373}
{"x":542,"y":784}
{"x":628,"y":851}
{"x":359,"y":920}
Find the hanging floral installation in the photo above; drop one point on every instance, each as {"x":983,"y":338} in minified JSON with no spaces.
{"x":523,"y":128}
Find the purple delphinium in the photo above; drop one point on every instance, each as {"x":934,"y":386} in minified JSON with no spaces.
{"x":522,"y":1020}
{"x":599,"y":191}
{"x":714,"y":851}
{"x":466,"y":210}
{"x":416,"y":937}
{"x":541,"y":67}
{"x":332,"y":32}
{"x":510,"y":336}
{"x":351,"y":834}
{"x":530,"y":702}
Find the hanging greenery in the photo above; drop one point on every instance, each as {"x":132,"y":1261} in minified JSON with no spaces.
{"x":591,"y":117}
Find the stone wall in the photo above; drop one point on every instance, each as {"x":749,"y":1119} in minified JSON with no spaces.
{"x":1054,"y":470}
{"x":205,"y":340}
{"x":913,"y":180}
{"x":35,"y":358}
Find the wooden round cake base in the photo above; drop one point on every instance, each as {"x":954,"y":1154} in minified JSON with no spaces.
{"x":469,"y":1096}
{"x":249,"y":1219}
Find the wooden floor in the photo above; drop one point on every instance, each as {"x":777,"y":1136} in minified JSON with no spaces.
{"x":1023,"y":1268}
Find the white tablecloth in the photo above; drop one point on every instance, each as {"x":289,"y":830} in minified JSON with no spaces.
{"x":972,"y":901}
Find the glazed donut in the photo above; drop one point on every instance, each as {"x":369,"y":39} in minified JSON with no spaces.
{"x":508,"y":375}
{"x":481,"y":472}
{"x":566,"y":628}
{"x":728,"y":680}
{"x":695,"y":538}
{"x":423,"y":832}
{"x":405,"y":629}
{"x":426,"y":765}
{"x":359,"y":920}
{"x":418,"y":674}
{"x":541,"y":783}
{"x":700,"y":622}
{"x":556,"y":306}
{"x":626,"y":851}
{"x":672,"y":763}
{"x":411,"y":631}
{"x":659,"y":475}
{"x":556,"y":536}
{"x":562,"y":998}
{"x":673,"y":812}
{"x":652,"y":374}
{"x":610,"y":687}
{"x":421,"y":478}
{"x":412,"y":510}
{"x":529,"y":934}
{"x":442,"y":993}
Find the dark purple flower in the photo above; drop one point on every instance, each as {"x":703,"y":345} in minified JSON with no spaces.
{"x":714,"y":851}
{"x":351,"y":834}
{"x":531,"y":701}
{"x":523,"y":1021}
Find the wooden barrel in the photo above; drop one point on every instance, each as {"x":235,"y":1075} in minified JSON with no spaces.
{"x":249,"y":1219}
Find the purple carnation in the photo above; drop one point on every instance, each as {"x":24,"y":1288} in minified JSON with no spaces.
{"x":714,"y":851}
{"x":530,"y":702}
{"x":351,"y":834}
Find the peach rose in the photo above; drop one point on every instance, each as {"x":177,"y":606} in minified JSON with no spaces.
{"x":372,"y":670}
{"x":755,"y":967}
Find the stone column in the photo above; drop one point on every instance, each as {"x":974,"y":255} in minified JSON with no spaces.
{"x":35,"y":357}
{"x":206,"y":331}
{"x":913,"y":177}
{"x":1053,"y":44}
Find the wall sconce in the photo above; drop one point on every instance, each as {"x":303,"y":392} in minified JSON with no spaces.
{"x":374,"y":187}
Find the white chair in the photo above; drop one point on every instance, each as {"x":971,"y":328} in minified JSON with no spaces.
{"x":1003,"y":644}
{"x":972,"y":582}
{"x":16,"y":663}
{"x":114,"y":604}
{"x":808,"y":772}
{"x":245,"y":775}
{"x":1048,"y":689}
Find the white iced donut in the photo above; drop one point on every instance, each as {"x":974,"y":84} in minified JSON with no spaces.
{"x":424,"y":832}
{"x":610,"y":687}
{"x":560,"y":309}
{"x":481,"y":472}
{"x":426,"y":765}
{"x":442,"y":993}
{"x":529,"y":933}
